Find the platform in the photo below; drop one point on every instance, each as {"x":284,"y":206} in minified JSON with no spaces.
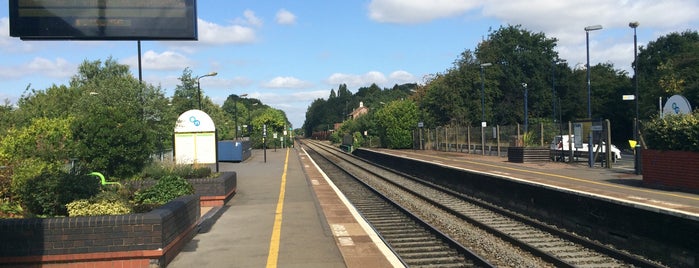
{"x":284,"y":214}
{"x":618,"y":184}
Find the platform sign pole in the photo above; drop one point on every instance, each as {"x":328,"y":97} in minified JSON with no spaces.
{"x":264,"y":141}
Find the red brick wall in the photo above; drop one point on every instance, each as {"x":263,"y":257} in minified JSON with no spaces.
{"x":674,"y":169}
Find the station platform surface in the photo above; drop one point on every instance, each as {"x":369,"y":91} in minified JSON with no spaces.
{"x":617,"y":184}
{"x":284,"y":214}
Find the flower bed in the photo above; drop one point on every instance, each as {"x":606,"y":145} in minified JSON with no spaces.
{"x":135,"y":240}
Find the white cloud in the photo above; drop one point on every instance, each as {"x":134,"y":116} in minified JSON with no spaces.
{"x":215,"y":34}
{"x":402,"y":77}
{"x":287,"y":82}
{"x":285,"y":17}
{"x":58,"y":68}
{"x":416,"y":11}
{"x":355,"y":81}
{"x":251,"y":19}
{"x":152,"y":60}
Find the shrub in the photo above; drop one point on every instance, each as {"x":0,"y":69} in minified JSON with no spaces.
{"x":167,"y":188}
{"x":104,"y":203}
{"x":156,"y":171}
{"x":49,"y":192}
{"x":673,"y":132}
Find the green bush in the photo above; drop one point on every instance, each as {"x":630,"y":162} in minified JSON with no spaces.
{"x":673,"y":132}
{"x":158,"y":170}
{"x":167,"y":188}
{"x":104,"y":203}
{"x":48,"y":193}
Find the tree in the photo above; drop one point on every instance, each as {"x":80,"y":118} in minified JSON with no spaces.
{"x":395,"y":123}
{"x":667,"y":66}
{"x":110,"y":131}
{"x":518,"y":56}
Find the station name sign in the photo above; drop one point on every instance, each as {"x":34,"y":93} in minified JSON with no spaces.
{"x":103,"y":19}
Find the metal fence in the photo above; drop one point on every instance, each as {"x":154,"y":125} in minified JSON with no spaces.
{"x":492,"y":140}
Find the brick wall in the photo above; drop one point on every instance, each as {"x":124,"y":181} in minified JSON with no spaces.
{"x":149,"y":237}
{"x":672,"y":169}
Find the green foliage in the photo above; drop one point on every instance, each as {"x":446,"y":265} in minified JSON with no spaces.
{"x":48,"y":193}
{"x":111,"y":133}
{"x":10,"y":209}
{"x":674,"y":132}
{"x":159,"y":170}
{"x":167,"y":188}
{"x":395,"y":122}
{"x":49,"y":139}
{"x":28,"y":169}
{"x":104,"y":203}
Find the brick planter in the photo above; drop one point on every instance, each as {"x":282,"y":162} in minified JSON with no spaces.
{"x":150,"y":239}
{"x":671,"y":169}
{"x":528,"y":154}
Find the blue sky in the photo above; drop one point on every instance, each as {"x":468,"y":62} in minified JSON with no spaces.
{"x":288,"y":53}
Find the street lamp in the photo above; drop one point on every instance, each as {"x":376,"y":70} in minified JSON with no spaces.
{"x":589,"y":104}
{"x":235,"y":105}
{"x":526,"y":106}
{"x":483,"y":123}
{"x":637,"y":166}
{"x":199,"y":86}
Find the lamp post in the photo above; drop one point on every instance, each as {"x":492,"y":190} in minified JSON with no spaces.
{"x":526,"y":108}
{"x":553,"y":87}
{"x":199,"y":86}
{"x":589,"y":104}
{"x":483,"y":123}
{"x":235,"y":105}
{"x":637,"y":166}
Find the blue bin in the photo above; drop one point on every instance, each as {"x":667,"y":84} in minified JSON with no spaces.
{"x":233,"y":151}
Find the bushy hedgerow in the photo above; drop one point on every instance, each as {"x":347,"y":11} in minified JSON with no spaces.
{"x":673,"y":132}
{"x":48,"y":193}
{"x":167,"y":188}
{"x":155,"y":171}
{"x":104,"y":203}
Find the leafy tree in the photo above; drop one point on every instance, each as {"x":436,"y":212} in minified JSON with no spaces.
{"x":111,"y":133}
{"x":396,"y":122}
{"x":667,"y":66}
{"x":518,"y":56}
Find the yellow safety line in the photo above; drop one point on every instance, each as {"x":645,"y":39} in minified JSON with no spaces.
{"x":563,"y":177}
{"x":273,"y":255}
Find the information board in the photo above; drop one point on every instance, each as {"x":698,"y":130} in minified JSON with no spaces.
{"x":103,"y":19}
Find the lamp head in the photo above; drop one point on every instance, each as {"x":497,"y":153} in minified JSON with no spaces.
{"x":593,"y":28}
{"x":524,"y":85}
{"x":486,"y":64}
{"x":633,"y":24}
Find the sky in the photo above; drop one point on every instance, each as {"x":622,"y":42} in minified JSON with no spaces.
{"x":289,"y":53}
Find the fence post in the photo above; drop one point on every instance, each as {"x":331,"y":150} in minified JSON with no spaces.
{"x":497,"y":133}
{"x":468,"y":137}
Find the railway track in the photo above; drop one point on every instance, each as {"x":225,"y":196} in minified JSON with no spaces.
{"x":415,"y":242}
{"x":506,"y":238}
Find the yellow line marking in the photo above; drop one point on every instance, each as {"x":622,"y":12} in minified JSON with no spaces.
{"x":564,"y":177}
{"x":273,"y":255}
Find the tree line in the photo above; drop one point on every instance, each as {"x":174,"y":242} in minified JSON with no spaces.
{"x":489,"y":83}
{"x":106,"y":120}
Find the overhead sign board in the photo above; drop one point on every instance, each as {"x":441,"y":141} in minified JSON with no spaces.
{"x":103,"y":19}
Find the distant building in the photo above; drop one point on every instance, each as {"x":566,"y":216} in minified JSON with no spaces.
{"x":361,"y":110}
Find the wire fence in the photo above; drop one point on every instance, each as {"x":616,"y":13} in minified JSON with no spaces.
{"x":492,"y":140}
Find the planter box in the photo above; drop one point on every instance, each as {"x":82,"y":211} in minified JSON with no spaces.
{"x":150,"y":239}
{"x":671,"y":169}
{"x":528,"y":154}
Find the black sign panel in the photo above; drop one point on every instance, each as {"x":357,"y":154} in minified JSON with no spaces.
{"x":103,"y":19}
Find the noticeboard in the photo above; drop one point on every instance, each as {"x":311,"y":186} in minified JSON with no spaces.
{"x":103,"y":19}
